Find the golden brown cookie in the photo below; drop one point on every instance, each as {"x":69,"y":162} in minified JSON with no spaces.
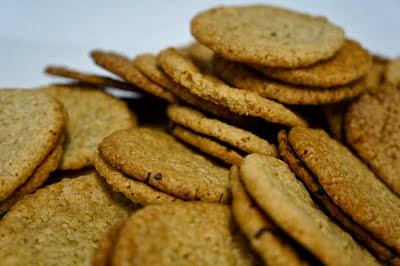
{"x":206,"y":145}
{"x":62,"y":223}
{"x":31,"y":125}
{"x":275,"y":188}
{"x":234,"y":136}
{"x":350,"y":63}
{"x":135,"y":190}
{"x":244,"y":77}
{"x":163,"y":162}
{"x":267,"y":35}
{"x":124,"y":68}
{"x":208,"y":87}
{"x":87,"y":78}
{"x":382,"y":252}
{"x":182,"y":233}
{"x":92,"y":115}
{"x":392,"y":72}
{"x":351,"y":185}
{"x":372,"y":126}
{"x":266,"y":238}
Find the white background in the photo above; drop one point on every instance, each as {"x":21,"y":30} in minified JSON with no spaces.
{"x":34,"y":34}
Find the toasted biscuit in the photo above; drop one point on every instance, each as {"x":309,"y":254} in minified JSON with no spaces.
{"x":392,"y":71}
{"x":267,"y":35}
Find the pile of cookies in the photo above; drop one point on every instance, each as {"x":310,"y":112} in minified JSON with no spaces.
{"x":272,"y":139}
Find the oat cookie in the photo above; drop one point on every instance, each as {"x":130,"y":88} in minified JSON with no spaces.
{"x":382,"y":252}
{"x":92,"y":115}
{"x":186,"y":233}
{"x":372,"y":125}
{"x":351,"y":185}
{"x":275,"y":188}
{"x":350,"y":63}
{"x":267,"y":35}
{"x":201,"y":55}
{"x":265,"y":237}
{"x":90,"y":79}
{"x":163,"y":162}
{"x":392,"y":72}
{"x":206,"y":145}
{"x":242,"y":102}
{"x":135,"y":190}
{"x":124,"y":68}
{"x":31,"y":124}
{"x":62,"y":223}
{"x":234,"y":136}
{"x":244,"y":77}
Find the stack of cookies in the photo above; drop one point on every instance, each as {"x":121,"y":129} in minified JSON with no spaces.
{"x":272,"y":139}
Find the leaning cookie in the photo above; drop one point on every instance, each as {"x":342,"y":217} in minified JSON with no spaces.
{"x":92,"y":115}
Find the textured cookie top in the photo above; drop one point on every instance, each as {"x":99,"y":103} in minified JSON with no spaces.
{"x":372,"y":126}
{"x":232,"y":135}
{"x":62,"y":223}
{"x":275,"y":188}
{"x":350,"y":184}
{"x":392,"y":71}
{"x":265,"y":237}
{"x":92,"y":115}
{"x":31,"y":123}
{"x":267,"y":35}
{"x":165,"y":163}
{"x":243,"y":102}
{"x":187,"y":233}
{"x":350,"y":63}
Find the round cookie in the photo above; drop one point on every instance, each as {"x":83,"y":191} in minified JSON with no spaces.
{"x":62,"y":223}
{"x":90,"y":79}
{"x":267,"y":35}
{"x":31,"y":124}
{"x":245,"y":78}
{"x":372,"y":126}
{"x":92,"y":115}
{"x":275,"y":188}
{"x":234,"y":136}
{"x":206,"y":145}
{"x":265,"y":237}
{"x":182,"y":233}
{"x":123,"y":67}
{"x":350,"y":63}
{"x":239,"y":101}
{"x":351,"y":185}
{"x":135,"y":190}
{"x":382,"y":252}
{"x":163,"y":162}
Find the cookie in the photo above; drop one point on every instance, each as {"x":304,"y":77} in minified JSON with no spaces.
{"x":375,"y":76}
{"x":124,"y":68}
{"x":382,"y":252}
{"x":93,"y":114}
{"x":234,"y":136}
{"x":392,"y":71}
{"x":135,"y":190}
{"x":62,"y":223}
{"x":350,"y":63}
{"x":105,"y":248}
{"x":267,"y":35}
{"x":206,"y":145}
{"x":163,"y":162}
{"x":242,"y":102}
{"x":186,"y":233}
{"x":31,"y":125}
{"x":90,"y":79}
{"x":275,"y":188}
{"x":351,"y":185}
{"x":265,"y":237}
{"x":245,"y":78}
{"x":148,"y":65}
{"x":372,"y":125}
{"x":201,"y":55}
{"x":36,"y":180}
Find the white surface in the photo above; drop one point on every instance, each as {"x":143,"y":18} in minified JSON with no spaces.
{"x":34,"y":34}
